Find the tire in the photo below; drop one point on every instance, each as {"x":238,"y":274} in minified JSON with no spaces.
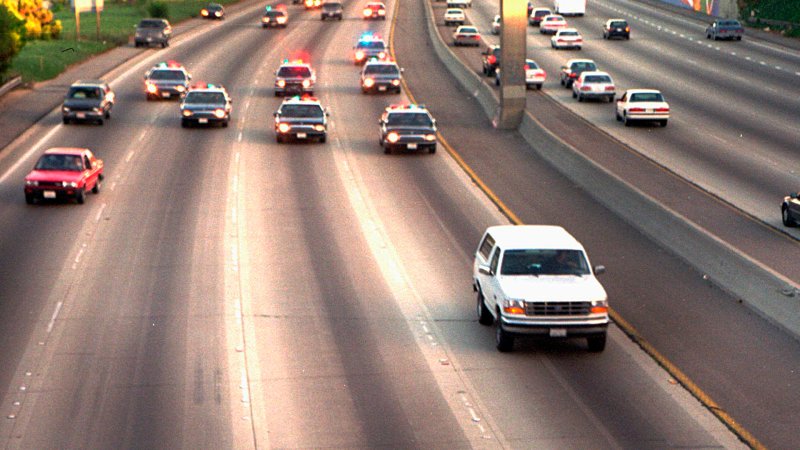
{"x":108,"y":114}
{"x":596,"y":343}
{"x":538,"y":87}
{"x":184,"y":123}
{"x":497,"y":81}
{"x":65,"y":120}
{"x":562,"y":81}
{"x":787,"y":218}
{"x":580,"y":98}
{"x":619,"y":118}
{"x":484,"y":316}
{"x":432,"y":150}
{"x":625,"y":120}
{"x":574,"y":95}
{"x":611,"y":99}
{"x":386,"y":150}
{"x":81,"y":197}
{"x":279,"y":139}
{"x":97,"y":186}
{"x":504,"y":341}
{"x":100,"y":122}
{"x":29,"y":199}
{"x":225,"y":124}
{"x":323,"y":139}
{"x":663,"y":122}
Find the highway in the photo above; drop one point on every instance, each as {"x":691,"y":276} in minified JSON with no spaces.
{"x":225,"y":291}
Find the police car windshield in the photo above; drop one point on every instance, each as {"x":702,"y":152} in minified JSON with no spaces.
{"x":275,"y":13}
{"x":410,"y":119}
{"x":376,"y":45}
{"x":167,"y":75}
{"x":84,"y":92}
{"x":205,"y":97}
{"x":294,"y":71}
{"x":59,"y":162}
{"x":331,"y":6}
{"x":544,"y":262}
{"x":304,"y":111}
{"x":383,"y":69}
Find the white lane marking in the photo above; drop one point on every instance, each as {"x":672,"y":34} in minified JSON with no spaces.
{"x":237,"y":157}
{"x":113,"y":185}
{"x":54,"y":317}
{"x":239,"y":137}
{"x":30,"y":152}
{"x":129,"y":156}
{"x":797,"y":73}
{"x":80,"y":254}
{"x":233,"y":215}
{"x":100,"y":213}
{"x":762,"y":63}
{"x":748,"y":58}
{"x":683,"y":35}
{"x":235,"y":183}
{"x":142,"y":135}
{"x":733,"y":53}
{"x":245,"y":388}
{"x":779,"y":67}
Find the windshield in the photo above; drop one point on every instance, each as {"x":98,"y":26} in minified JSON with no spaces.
{"x":581,"y":66}
{"x":167,"y":75}
{"x":619,"y":24}
{"x":275,"y":14}
{"x":410,"y":119}
{"x":59,"y":162}
{"x":151,"y":24}
{"x":375,"y":45}
{"x":332,"y":6}
{"x":304,"y":111}
{"x":647,"y":97}
{"x":530,"y":65}
{"x":468,"y":30}
{"x":84,"y":92}
{"x":455,"y":11}
{"x":544,"y":262}
{"x":383,"y":69}
{"x":597,"y":79}
{"x":205,"y":97}
{"x":568,"y":33}
{"x":294,"y":72}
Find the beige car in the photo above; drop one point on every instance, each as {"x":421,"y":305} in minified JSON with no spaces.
{"x":454,"y":16}
{"x":466,"y":35}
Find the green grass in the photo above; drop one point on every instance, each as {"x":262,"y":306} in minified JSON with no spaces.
{"x":43,"y":60}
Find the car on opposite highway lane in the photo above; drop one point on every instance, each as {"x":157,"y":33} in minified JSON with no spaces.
{"x":64,"y":173}
{"x":206,"y":104}
{"x":459,"y":4}
{"x":274,"y":18}
{"x":407,"y":127}
{"x":790,"y":209}
{"x":534,"y":75}
{"x":312,"y":4}
{"x":213,"y":11}
{"x":490,"y":59}
{"x":642,"y":105}
{"x":616,"y":28}
{"x":332,"y":10}
{"x":497,"y":23}
{"x":301,"y":118}
{"x":166,"y":80}
{"x":537,"y":280}
{"x":551,"y":24}
{"x":369,"y":46}
{"x":594,"y":84}
{"x":87,"y":101}
{"x":380,"y":76}
{"x":536,"y":15}
{"x":454,"y":16}
{"x":466,"y":35}
{"x":152,"y":31}
{"x":295,"y":78}
{"x":374,"y":11}
{"x":573,"y":68}
{"x":566,"y":38}
{"x":725,"y":29}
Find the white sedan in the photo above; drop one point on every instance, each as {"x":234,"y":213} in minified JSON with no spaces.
{"x":642,"y":105}
{"x":552,"y":23}
{"x":534,"y":75}
{"x":454,"y":16}
{"x":459,"y":3}
{"x":466,"y":35}
{"x":594,"y":84}
{"x":567,"y":38}
{"x":496,"y":23}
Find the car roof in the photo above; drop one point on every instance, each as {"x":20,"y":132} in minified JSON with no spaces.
{"x":533,"y":237}
{"x":540,"y":10}
{"x":296,"y":100}
{"x":567,"y":30}
{"x":88,"y":83}
{"x":65,"y":151}
{"x":615,"y":20}
{"x":587,"y":73}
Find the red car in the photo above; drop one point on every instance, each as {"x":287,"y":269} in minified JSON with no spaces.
{"x":374,"y":10}
{"x":64,"y":173}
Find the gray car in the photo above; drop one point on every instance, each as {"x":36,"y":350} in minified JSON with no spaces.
{"x":88,"y":101}
{"x":152,"y":32}
{"x":725,"y":29}
{"x":790,"y":209}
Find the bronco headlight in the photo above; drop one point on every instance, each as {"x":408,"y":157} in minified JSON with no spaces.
{"x":599,"y":307}
{"x":430,"y":137}
{"x":513,"y":306}
{"x":369,"y":82}
{"x":395,"y":82}
{"x":219,"y":113}
{"x":281,"y":83}
{"x":306,"y":83}
{"x":31,"y":183}
{"x":319,"y":127}
{"x":186,"y":113}
{"x":283,"y":127}
{"x":392,"y":137}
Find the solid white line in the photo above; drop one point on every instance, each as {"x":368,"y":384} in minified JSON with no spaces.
{"x":129,"y":156}
{"x":245,"y":388}
{"x":762,"y":63}
{"x":80,"y":253}
{"x":113,"y":185}
{"x":100,"y":213}
{"x":237,"y":157}
{"x":239,"y":137}
{"x":30,"y":152}
{"x":53,"y":318}
{"x":472,"y":413}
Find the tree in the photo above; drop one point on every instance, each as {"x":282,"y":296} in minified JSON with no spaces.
{"x":12,"y":29}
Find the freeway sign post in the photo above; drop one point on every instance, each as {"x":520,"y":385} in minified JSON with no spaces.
{"x":79,"y":6}
{"x":513,"y":31}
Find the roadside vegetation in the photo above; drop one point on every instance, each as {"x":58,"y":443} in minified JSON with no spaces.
{"x":782,"y":16}
{"x":44,"y":59}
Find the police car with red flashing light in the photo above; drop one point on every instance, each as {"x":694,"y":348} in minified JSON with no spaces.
{"x":407,"y":127}
{"x":301,"y":118}
{"x":369,"y":46}
{"x":275,"y":17}
{"x":380,"y":76}
{"x":166,"y":80}
{"x":296,"y":77}
{"x":206,"y":104}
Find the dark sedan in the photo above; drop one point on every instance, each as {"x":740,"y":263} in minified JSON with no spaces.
{"x":87,"y":101}
{"x":725,"y":29}
{"x":790,"y":209}
{"x":616,"y":28}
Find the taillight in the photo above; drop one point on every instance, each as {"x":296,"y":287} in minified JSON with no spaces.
{"x":636,"y":110}
{"x":627,"y":29}
{"x":492,"y":59}
{"x":662,"y":110}
{"x":610,"y":88}
{"x":586,"y":88}
{"x":573,"y":75}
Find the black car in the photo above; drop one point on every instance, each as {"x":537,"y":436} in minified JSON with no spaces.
{"x":294,"y":78}
{"x":616,"y":28}
{"x":152,"y":32}
{"x":369,"y":47}
{"x":213,"y":11}
{"x":274,"y":18}
{"x":206,"y":104}
{"x":491,"y":60}
{"x":725,"y":29}
{"x":790,"y":209}
{"x":166,"y":80}
{"x":380,"y":76}
{"x":332,"y":10}
{"x":301,"y":118}
{"x":409,"y":127}
{"x":88,"y":101}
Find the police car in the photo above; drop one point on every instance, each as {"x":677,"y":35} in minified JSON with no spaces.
{"x":166,"y":80}
{"x":409,"y":127}
{"x":369,"y":46}
{"x":301,"y":118}
{"x":294,"y":78}
{"x":380,"y":76}
{"x":274,"y":17}
{"x":206,"y":104}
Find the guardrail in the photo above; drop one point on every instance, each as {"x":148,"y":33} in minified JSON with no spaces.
{"x":10,"y":85}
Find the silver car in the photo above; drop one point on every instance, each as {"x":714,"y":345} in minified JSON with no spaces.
{"x":466,"y":35}
{"x":594,"y":84}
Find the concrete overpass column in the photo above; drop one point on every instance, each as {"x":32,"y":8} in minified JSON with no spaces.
{"x":512,"y":59}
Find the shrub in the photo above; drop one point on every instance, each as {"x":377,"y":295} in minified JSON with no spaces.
{"x":12,"y":30}
{"x":158,"y":9}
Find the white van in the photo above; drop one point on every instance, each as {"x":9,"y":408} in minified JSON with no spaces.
{"x":569,"y":7}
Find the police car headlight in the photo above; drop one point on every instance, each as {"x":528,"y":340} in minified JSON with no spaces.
{"x":65,"y":109}
{"x":396,"y":82}
{"x":359,"y":55}
{"x":319,"y":127}
{"x":186,"y":113}
{"x":430,"y":137}
{"x":306,"y":83}
{"x":382,"y":55}
{"x":369,"y":82}
{"x":367,"y":12}
{"x":31,"y":183}
{"x":180,"y":88}
{"x":284,"y":127}
{"x":282,"y":20}
{"x":219,"y":113}
{"x":152,"y":88}
{"x":281,"y":83}
{"x":392,"y":137}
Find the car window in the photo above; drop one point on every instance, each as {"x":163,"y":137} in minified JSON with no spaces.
{"x":486,"y":246}
{"x":85,"y":92}
{"x":544,"y":262}
{"x":151,"y":24}
{"x":495,"y":260}
{"x":205,"y":97}
{"x":294,"y":72}
{"x":86,"y":163}
{"x":646,"y":97}
{"x":568,"y":33}
{"x":619,"y":24}
{"x":303,"y":111}
{"x":167,"y":75}
{"x":59,"y":162}
{"x":597,"y":79}
{"x":410,"y":119}
{"x":468,"y":30}
{"x":531,"y":65}
{"x":275,"y":13}
{"x":384,"y":69}
{"x":374,"y":45}
{"x":584,"y":66}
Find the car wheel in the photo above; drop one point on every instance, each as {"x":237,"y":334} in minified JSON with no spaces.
{"x":100,"y":122}
{"x":562,"y":81}
{"x":619,"y":118}
{"x":580,"y":98}
{"x":496,"y":81}
{"x":96,"y":188}
{"x":184,"y":123}
{"x":663,"y":122}
{"x":503,"y":339}
{"x":610,"y":99}
{"x":432,"y":150}
{"x":787,"y":217}
{"x":323,"y":139}
{"x":225,"y":124}
{"x":65,"y":120}
{"x":484,"y":316}
{"x":538,"y":87}
{"x":738,"y":38}
{"x":574,"y":95}
{"x":597,"y":343}
{"x":386,"y":150}
{"x":108,"y":114}
{"x":279,"y":139}
{"x":29,"y":199}
{"x":625,"y":120}
{"x":81,"y":196}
